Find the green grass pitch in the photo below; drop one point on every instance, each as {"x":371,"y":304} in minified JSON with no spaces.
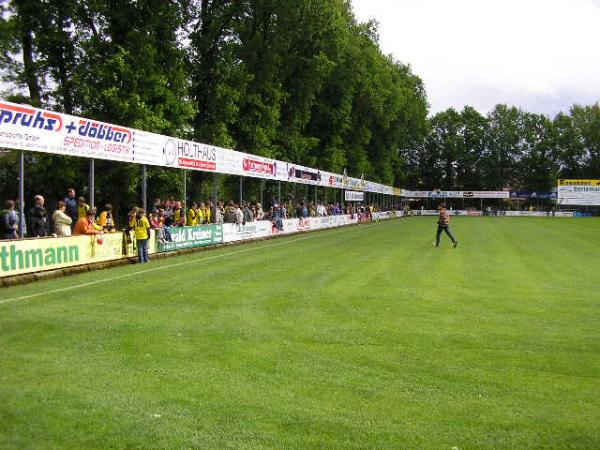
{"x":363,"y":337}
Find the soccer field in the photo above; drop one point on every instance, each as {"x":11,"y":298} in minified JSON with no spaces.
{"x":361,"y":337}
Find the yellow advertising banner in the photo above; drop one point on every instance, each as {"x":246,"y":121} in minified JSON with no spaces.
{"x":106,"y":247}
{"x":566,"y":182}
{"x":36,"y":255}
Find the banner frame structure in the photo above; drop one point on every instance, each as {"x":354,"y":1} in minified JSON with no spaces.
{"x":27,"y":128}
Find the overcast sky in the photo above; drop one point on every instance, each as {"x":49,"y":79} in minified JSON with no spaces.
{"x":541,"y":55}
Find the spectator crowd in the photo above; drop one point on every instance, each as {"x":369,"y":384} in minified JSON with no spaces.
{"x":74,"y":216}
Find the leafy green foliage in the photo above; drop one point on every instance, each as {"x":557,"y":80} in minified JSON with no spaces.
{"x":508,"y":148}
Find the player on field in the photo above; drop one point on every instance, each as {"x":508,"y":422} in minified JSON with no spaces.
{"x":444,"y":225}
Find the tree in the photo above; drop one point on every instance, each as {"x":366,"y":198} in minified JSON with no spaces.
{"x":586,"y":122}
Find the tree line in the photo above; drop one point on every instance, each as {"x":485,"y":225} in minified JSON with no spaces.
{"x":298,"y":80}
{"x":507,"y":148}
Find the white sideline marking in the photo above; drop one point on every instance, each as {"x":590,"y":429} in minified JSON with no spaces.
{"x":153,"y":269}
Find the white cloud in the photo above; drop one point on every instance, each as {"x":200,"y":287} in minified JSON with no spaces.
{"x":541,"y":55}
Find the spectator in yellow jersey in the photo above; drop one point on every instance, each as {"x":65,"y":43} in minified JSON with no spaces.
{"x":207,"y":212}
{"x":82,"y":208}
{"x":192,"y":215}
{"x":178,"y":215}
{"x":201,"y":217}
{"x":141,"y":227}
{"x":106,"y":220}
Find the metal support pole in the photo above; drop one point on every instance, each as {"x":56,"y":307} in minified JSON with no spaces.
{"x":22,"y":194}
{"x":316,"y":193}
{"x":184,"y":190}
{"x":279,"y":196}
{"x":241,"y":191}
{"x":92,"y":182}
{"x":215,"y":195}
{"x":262,"y":186}
{"x":144,"y":188}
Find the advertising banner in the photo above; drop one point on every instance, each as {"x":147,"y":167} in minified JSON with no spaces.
{"x":354,"y":196}
{"x":321,"y":222}
{"x":425,"y":212}
{"x":188,"y":237}
{"x":106,"y":248}
{"x":36,"y":255}
{"x":251,"y":230}
{"x":24,"y":127}
{"x":455,"y":194}
{"x":578,"y":182}
{"x":536,"y":213}
{"x":290,"y":226}
{"x":382,"y":215}
{"x":352,"y":219}
{"x":305,"y":224}
{"x":579,"y":192}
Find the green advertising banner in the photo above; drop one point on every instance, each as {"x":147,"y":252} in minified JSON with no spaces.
{"x":188,"y":237}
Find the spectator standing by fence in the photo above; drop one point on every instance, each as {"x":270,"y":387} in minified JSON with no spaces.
{"x":200,"y":215}
{"x":71,"y":206}
{"x":38,"y":218}
{"x":61,"y":220}
{"x":207,"y":208}
{"x":219,"y":214}
{"x":178,"y":215}
{"x":192,"y":215}
{"x":9,"y":221}
{"x":260,"y":214}
{"x":248,"y":215}
{"x":142,"y":234}
{"x":156,"y":222}
{"x":87,"y":225}
{"x":106,"y":219}
{"x":82,"y":209}
{"x":239,"y":216}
